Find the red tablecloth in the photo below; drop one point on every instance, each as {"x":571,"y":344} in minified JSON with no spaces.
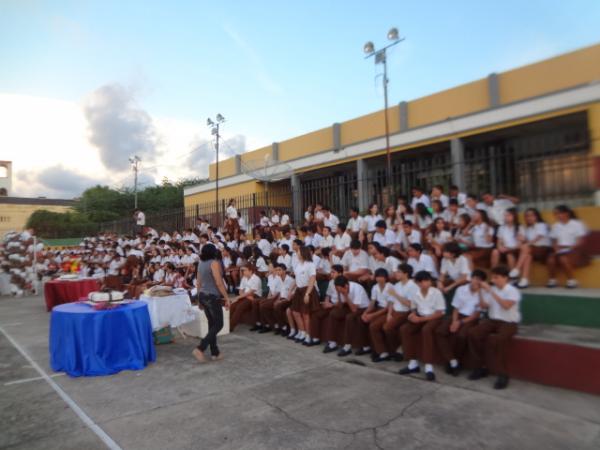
{"x":57,"y":292}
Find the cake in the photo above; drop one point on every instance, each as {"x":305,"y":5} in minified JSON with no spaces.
{"x":101,"y":297}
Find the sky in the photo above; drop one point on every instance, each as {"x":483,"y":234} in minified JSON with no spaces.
{"x":84,"y":85}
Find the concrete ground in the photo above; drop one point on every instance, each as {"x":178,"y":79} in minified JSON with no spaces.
{"x":270,"y":393}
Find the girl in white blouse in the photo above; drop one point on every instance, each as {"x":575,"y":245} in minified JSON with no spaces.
{"x":536,"y":245}
{"x":509,"y":241}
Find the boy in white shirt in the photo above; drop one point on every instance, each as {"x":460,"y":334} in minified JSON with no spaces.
{"x":502,"y":301}
{"x":355,"y":223}
{"x":355,"y":261}
{"x":376,"y":314}
{"x":451,"y":335}
{"x":250,"y":292}
{"x":420,"y":261}
{"x":428,"y":306}
{"x":275,"y":285}
{"x":383,"y":236}
{"x":342,"y":240}
{"x":282,"y":303}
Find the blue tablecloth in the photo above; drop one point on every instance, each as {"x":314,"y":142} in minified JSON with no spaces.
{"x":86,"y":342}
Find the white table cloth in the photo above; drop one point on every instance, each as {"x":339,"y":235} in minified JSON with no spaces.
{"x":199,"y":327}
{"x":173,"y":310}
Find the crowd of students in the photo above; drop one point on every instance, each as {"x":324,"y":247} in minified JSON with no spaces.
{"x":433,"y":271}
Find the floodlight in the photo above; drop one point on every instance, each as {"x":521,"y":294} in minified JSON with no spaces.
{"x":369,"y":47}
{"x":393,"y":34}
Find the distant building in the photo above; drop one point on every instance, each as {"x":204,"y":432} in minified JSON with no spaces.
{"x":14,"y":211}
{"x":5,"y":178}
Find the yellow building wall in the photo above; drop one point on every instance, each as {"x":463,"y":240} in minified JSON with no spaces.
{"x":458,"y":101}
{"x":14,"y":217}
{"x":226,"y":169}
{"x":594,"y":128}
{"x":225,"y":193}
{"x":560,"y":72}
{"x":370,"y":126}
{"x":315,"y":142}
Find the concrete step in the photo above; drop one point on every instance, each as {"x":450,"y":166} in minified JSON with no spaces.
{"x":559,"y":306}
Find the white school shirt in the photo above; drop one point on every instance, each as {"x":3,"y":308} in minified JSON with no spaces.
{"x":342,"y":242}
{"x":265,"y":247}
{"x":326,"y":242}
{"x":332,"y":293}
{"x":451,"y":218}
{"x":432,"y":302}
{"x":375,"y":264}
{"x":442,"y":238}
{"x":391,"y":264}
{"x":423,"y":222}
{"x":465,"y":300}
{"x":287,"y":285}
{"x":285,"y":241}
{"x":274,"y":284}
{"x":407,"y":290}
{"x":316,"y":240}
{"x":405,"y":240}
{"x":141,"y":219}
{"x":455,"y":269}
{"x":508,"y":236}
{"x":285,"y":220}
{"x":497,"y":312}
{"x":261,"y":265}
{"x":158,"y":276}
{"x":251,"y":284}
{"x":381,"y":296}
{"x":538,"y":230}
{"x":567,"y":234}
{"x":231,"y":212}
{"x":303,"y":271}
{"x":497,"y":209}
{"x":371,"y":221}
{"x":444,"y":200}
{"x":285,"y":260}
{"x":479,"y":233}
{"x":385,"y":239}
{"x":425,"y":262}
{"x":357,"y":295}
{"x":264,"y":221}
{"x":332,"y":221}
{"x":275,"y":219}
{"x":353,"y":263}
{"x":355,"y":225}
{"x":422,"y":199}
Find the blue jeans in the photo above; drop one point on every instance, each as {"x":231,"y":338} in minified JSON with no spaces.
{"x":214,"y":314}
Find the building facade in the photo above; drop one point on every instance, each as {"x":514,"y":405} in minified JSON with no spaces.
{"x":14,"y":211}
{"x":532,"y":132}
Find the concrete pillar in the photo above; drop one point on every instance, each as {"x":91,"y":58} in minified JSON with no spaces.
{"x":457,"y":154}
{"x":493,"y":90}
{"x":275,"y":151}
{"x":363,"y":186}
{"x":336,"y":129}
{"x":403,"y":107}
{"x":593,"y":116}
{"x":296,"y":199}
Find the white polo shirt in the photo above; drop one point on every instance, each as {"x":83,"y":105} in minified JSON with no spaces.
{"x":407,"y":290}
{"x":567,"y":234}
{"x":326,"y":241}
{"x":465,"y":300}
{"x":342,"y":242}
{"x":357,"y":295}
{"x":455,"y":269}
{"x":371,"y":221}
{"x":480,"y":232}
{"x":509,"y":236}
{"x":251,"y":284}
{"x":385,"y":239}
{"x":303,"y":271}
{"x":231,"y":212}
{"x":355,"y":225}
{"x":381,"y":296}
{"x":332,"y":221}
{"x":430,"y":303}
{"x":425,"y":262}
{"x":332,"y":293}
{"x":353,"y":263}
{"x":497,"y":312}
{"x":285,"y":260}
{"x":539,"y":231}
{"x":286,"y":287}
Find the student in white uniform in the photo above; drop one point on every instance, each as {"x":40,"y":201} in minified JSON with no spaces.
{"x":419,"y":197}
{"x":376,"y":314}
{"x":429,"y":307}
{"x":455,"y":268}
{"x":355,"y":261}
{"x":341,"y":241}
{"x":452,"y":334}
{"x":372,"y":218}
{"x":250,"y":291}
{"x":536,"y":246}
{"x":383,"y":236}
{"x":356,"y":223}
{"x":568,"y":235}
{"x":502,"y":302}
{"x":420,"y":261}
{"x":508,"y":242}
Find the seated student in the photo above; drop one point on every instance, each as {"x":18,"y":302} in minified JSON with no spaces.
{"x":275,"y":285}
{"x":355,"y":261}
{"x":250,"y":292}
{"x":437,"y":237}
{"x":452,"y":213}
{"x":383,"y":236}
{"x":536,"y":245}
{"x":422,"y":218}
{"x":455,"y":268}
{"x":406,"y":236}
{"x":452,"y":334}
{"x":330,"y":300}
{"x":399,"y":309}
{"x":353,"y":300}
{"x":482,"y":232}
{"x":377,"y":260}
{"x":429,"y":307}
{"x":341,"y":241}
{"x":567,"y":235}
{"x":305,"y":299}
{"x":282,"y":303}
{"x":420,"y":261}
{"x":502,"y":302}
{"x":376,"y":314}
{"x":356,"y":223}
{"x":327,"y":239}
{"x":462,"y":233}
{"x":509,"y":238}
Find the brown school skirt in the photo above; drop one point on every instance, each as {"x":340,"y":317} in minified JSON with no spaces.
{"x":540,"y":254}
{"x":578,"y":256}
{"x":297,"y":302}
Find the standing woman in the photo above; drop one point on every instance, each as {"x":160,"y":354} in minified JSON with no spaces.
{"x":211,"y":290}
{"x":305,"y":300}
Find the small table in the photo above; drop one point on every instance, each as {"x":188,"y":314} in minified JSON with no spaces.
{"x":58,"y":292}
{"x":170,"y":311}
{"x":87,"y":342}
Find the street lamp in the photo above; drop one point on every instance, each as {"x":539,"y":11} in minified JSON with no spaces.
{"x":214,"y":130}
{"x":380,"y":58}
{"x":135,"y":160}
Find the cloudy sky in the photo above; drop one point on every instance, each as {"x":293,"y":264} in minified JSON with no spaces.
{"x":84,"y":85}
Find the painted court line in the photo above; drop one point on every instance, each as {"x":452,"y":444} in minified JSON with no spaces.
{"x":27,"y":380}
{"x":68,"y":400}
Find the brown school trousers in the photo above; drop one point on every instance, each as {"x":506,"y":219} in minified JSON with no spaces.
{"x":452,"y":345}
{"x":376,"y":333}
{"x":279,"y":311}
{"x":391,"y":330}
{"x":356,"y":332}
{"x":266,"y":312}
{"x":316,"y":319}
{"x":237,"y":311}
{"x":335,"y":323}
{"x":410,"y":337}
{"x":478,"y":335}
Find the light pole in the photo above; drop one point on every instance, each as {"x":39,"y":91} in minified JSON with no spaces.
{"x":214,"y":126}
{"x":381,"y":58}
{"x":135,"y":160}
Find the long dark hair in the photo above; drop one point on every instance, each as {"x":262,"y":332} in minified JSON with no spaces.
{"x":208,"y":252}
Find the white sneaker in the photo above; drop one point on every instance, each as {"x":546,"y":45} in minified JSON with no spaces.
{"x":523,"y":283}
{"x":514,"y":273}
{"x":552,"y":283}
{"x":572,"y":283}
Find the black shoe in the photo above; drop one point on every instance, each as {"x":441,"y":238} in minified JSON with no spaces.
{"x":291,"y":336}
{"x":478,"y":374}
{"x":377,"y":358}
{"x":298,"y":340}
{"x":454,"y":371}
{"x":329,"y":349}
{"x":343,"y":352}
{"x":406,"y":370}
{"x":501,"y":382}
{"x":305,"y":343}
{"x":264,"y":330}
{"x":430,"y":376}
{"x":256,"y":328}
{"x":398,"y":357}
{"x":312,"y":343}
{"x":284,"y":332}
{"x":277,"y":332}
{"x":362,"y":351}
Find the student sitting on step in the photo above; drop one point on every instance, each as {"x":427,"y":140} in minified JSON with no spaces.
{"x":250,"y":294}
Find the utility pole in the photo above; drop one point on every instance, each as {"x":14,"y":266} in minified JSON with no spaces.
{"x":215,"y":126}
{"x":135,"y":160}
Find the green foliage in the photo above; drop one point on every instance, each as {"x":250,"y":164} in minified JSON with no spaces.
{"x":53,"y":225}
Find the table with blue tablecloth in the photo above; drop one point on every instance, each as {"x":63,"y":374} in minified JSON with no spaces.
{"x":88,"y":342}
